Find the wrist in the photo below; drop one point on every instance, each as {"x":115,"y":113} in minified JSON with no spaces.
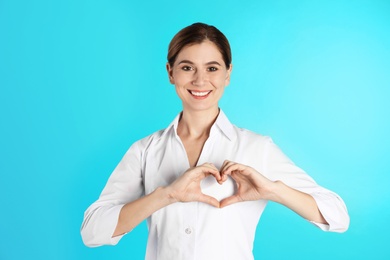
{"x":275,"y":191}
{"x":166,"y":194}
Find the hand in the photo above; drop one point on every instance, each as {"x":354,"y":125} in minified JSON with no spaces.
{"x":251,"y":185}
{"x":187,"y":187}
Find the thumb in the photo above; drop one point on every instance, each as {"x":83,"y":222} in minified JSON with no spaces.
{"x":229,"y":200}
{"x":209,"y":200}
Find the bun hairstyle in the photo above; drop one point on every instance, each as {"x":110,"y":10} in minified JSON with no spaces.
{"x":198,"y":33}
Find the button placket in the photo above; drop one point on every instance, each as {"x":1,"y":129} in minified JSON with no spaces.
{"x":188,"y":231}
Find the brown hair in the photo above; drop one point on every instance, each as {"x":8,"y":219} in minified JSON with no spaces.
{"x":197,"y":33}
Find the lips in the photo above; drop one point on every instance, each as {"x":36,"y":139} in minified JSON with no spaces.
{"x":199,"y":94}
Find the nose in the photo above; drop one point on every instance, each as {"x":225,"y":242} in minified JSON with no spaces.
{"x":199,"y":79}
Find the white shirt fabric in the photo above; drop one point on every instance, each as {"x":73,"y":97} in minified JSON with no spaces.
{"x":196,"y":230}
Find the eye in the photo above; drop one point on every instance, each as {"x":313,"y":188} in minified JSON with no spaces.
{"x":186,"y":68}
{"x":212,"y":69}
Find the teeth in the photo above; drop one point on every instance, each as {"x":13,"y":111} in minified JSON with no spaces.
{"x":200,"y":94}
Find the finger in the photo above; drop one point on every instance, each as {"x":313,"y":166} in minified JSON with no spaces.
{"x":211,"y":171}
{"x":225,"y":163}
{"x":204,"y":170}
{"x":209,"y":200}
{"x":231,"y":167}
{"x":229,"y":200}
{"x":224,"y":177}
{"x":211,"y":165}
{"x":238,"y":169}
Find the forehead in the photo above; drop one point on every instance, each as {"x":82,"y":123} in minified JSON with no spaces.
{"x":202,"y":52}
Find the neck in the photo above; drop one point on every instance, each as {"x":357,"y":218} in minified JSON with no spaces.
{"x":196,"y":124}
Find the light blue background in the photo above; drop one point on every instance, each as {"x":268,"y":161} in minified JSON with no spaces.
{"x":82,"y":80}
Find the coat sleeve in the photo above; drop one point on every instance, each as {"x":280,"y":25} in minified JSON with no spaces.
{"x":331,"y":206}
{"x":124,"y":185}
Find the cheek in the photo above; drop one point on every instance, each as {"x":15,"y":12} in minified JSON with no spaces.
{"x":181,"y":79}
{"x":219,"y":81}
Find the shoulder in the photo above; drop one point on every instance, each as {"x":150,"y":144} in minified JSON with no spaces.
{"x":240,"y":134}
{"x":147,"y":141}
{"x":244,"y":134}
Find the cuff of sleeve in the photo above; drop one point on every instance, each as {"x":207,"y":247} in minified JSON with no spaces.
{"x":104,"y":226}
{"x":324,"y":227}
{"x":109,"y":222}
{"x":115,"y":240}
{"x":334,"y":212}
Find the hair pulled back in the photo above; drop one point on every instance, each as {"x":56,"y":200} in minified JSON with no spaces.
{"x":196,"y":34}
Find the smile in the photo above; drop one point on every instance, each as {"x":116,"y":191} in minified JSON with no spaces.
{"x":199,"y":93}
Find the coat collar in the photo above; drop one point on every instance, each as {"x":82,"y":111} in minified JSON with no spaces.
{"x":222,"y":124}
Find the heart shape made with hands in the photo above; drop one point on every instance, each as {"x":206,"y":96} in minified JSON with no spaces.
{"x":211,"y":187}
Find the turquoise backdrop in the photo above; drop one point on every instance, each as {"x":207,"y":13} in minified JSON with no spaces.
{"x":80,"y":81}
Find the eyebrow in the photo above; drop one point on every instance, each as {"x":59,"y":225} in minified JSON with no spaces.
{"x":207,"y":63}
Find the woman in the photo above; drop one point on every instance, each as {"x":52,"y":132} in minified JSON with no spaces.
{"x":203,"y":183}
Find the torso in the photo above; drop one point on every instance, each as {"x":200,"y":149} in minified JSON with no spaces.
{"x":233,"y":226}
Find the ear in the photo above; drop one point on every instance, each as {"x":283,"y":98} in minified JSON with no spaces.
{"x":229,"y":71}
{"x":170,"y":73}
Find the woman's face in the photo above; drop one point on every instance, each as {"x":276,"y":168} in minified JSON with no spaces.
{"x":200,"y":76}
